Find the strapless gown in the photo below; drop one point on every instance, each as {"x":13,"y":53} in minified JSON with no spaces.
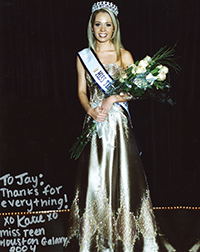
{"x":112,"y":209}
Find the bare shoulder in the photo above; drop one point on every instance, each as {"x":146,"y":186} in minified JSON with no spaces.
{"x":127,"y":58}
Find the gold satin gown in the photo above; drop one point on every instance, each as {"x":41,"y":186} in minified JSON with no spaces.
{"x":112,"y":209}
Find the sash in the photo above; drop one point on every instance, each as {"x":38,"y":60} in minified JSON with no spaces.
{"x":99,"y":73}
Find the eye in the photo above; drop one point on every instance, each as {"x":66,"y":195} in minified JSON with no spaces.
{"x":97,"y":24}
{"x":108,"y":25}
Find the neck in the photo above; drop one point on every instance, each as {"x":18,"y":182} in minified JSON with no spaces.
{"x":102,"y":47}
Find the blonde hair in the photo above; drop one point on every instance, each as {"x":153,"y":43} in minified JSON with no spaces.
{"x":116,"y":38}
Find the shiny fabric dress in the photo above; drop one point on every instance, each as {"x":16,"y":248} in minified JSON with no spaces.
{"x":112,"y":209}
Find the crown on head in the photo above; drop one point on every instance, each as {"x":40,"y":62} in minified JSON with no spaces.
{"x":104,"y":4}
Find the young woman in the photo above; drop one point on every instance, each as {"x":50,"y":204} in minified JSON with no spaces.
{"x":112,"y":209}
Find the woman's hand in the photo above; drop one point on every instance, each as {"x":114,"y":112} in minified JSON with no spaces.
{"x":97,"y":114}
{"x":107,"y":104}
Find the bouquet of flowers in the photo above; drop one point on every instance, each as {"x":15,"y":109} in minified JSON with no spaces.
{"x":146,"y":78}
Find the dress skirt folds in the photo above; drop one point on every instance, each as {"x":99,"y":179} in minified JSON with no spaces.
{"x":112,"y":209}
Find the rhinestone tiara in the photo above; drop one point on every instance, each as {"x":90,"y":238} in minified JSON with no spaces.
{"x":104,"y":4}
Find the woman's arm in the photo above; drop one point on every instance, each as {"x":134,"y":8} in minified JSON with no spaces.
{"x":96,"y":113}
{"x":127,"y":60}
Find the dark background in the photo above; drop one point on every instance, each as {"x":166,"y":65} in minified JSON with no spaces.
{"x":40,"y":115}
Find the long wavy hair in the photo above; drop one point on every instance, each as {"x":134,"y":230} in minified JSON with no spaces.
{"x":116,"y":37}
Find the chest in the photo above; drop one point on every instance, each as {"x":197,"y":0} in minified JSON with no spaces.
{"x":108,"y":58}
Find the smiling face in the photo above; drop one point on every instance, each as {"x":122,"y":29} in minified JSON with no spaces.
{"x":103,"y":27}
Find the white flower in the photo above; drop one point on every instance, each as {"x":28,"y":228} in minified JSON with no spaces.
{"x":163,"y":69}
{"x":147,"y":58}
{"x":150,"y":78}
{"x":143,"y":63}
{"x":133,"y":68}
{"x":121,"y":80}
{"x":161,"y":76}
{"x":140,"y":69}
{"x":123,"y":76}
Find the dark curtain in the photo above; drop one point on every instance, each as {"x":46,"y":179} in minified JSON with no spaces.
{"x":40,"y":112}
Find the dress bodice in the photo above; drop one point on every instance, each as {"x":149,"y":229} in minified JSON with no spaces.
{"x":96,"y":94}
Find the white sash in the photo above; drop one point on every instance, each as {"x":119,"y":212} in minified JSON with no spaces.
{"x":98,"y":72}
